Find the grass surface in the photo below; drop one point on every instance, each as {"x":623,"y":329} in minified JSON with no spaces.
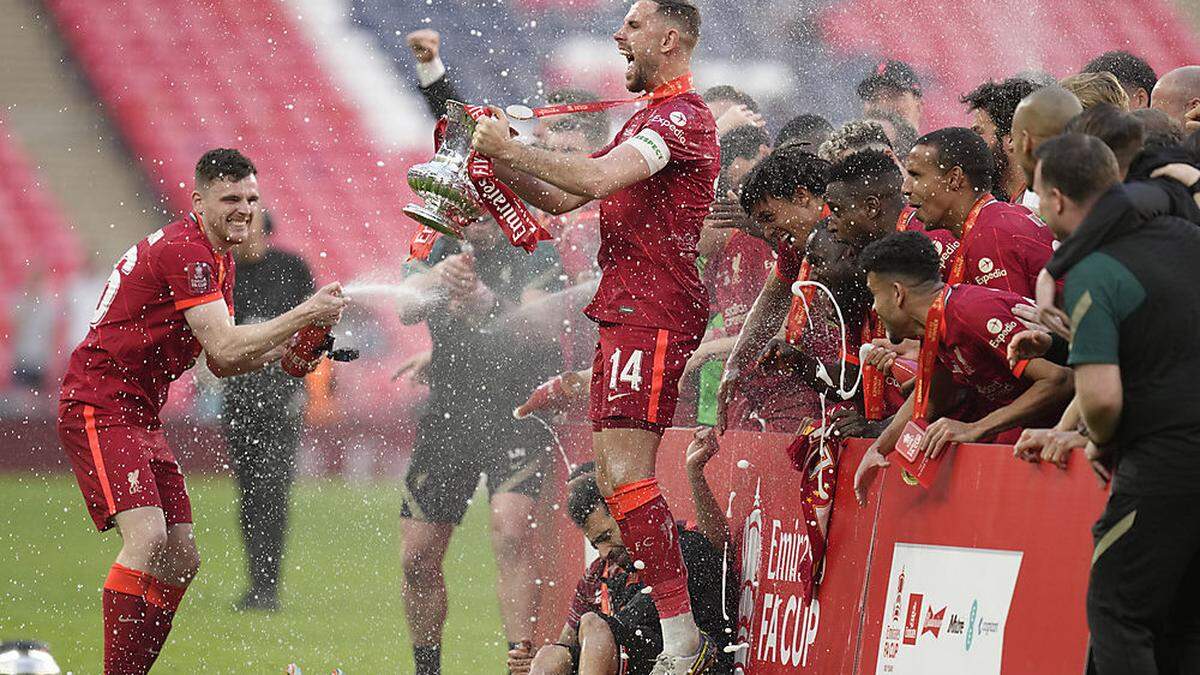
{"x":341,"y":585}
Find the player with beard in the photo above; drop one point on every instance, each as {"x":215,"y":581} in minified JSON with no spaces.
{"x":968,"y":328}
{"x":169,"y":298}
{"x":655,"y":181}
{"x":949,"y":184}
{"x":992,"y":105}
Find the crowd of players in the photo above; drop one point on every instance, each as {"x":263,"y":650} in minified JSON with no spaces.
{"x":961,"y":224}
{"x":1026,"y":280}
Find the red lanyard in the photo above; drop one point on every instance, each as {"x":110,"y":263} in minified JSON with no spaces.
{"x":960,"y":261}
{"x":674,"y":87}
{"x":929,"y":351}
{"x":907,"y":214}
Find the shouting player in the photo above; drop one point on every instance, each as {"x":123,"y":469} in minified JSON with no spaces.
{"x":655,"y":182}
{"x":168,"y":298}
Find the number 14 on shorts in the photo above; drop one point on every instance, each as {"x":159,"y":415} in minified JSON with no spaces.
{"x":629,"y":373}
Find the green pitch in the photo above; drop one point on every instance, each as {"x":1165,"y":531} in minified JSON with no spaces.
{"x":341,"y":584}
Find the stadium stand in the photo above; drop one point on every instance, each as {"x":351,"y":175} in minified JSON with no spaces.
{"x":334,"y":193}
{"x":39,"y":256}
{"x":1044,"y":36}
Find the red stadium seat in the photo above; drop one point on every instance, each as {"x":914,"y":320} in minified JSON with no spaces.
{"x":179,"y":77}
{"x":960,"y":45}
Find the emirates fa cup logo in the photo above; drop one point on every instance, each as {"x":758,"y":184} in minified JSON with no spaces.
{"x":751,"y":560}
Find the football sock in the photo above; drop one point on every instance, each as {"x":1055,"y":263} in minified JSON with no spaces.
{"x":126,"y":643}
{"x":428,"y":659}
{"x":162,"y":601}
{"x":648,"y":529}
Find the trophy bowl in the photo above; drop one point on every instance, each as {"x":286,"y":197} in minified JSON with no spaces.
{"x":449,"y":197}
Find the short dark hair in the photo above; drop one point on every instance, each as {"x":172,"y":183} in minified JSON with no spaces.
{"x":584,"y":499}
{"x":683,"y":13}
{"x":1161,"y":129}
{"x":803,"y":125}
{"x":910,"y":255}
{"x":223,"y":164}
{"x":1082,"y":167}
{"x":999,"y":100}
{"x":781,"y":174}
{"x":961,"y":147}
{"x":870,"y":170}
{"x":728,"y":92}
{"x":1122,"y":132}
{"x":1127,"y":68}
{"x":594,"y":125}
{"x":268,"y":223}
{"x":744,"y":142}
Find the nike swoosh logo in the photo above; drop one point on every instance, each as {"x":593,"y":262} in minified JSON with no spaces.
{"x":123,"y":619}
{"x":613,"y":398}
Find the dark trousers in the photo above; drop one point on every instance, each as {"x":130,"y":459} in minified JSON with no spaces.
{"x":262,"y":447}
{"x":1143,"y":601}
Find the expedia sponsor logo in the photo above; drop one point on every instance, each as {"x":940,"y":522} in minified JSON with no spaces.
{"x":945,"y":252}
{"x":678,"y":118}
{"x":991,"y":274}
{"x":985,"y":265}
{"x":664,"y":123}
{"x":1000,"y":330}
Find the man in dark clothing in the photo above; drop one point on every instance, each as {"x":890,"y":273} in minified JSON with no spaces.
{"x":1133,"y":305}
{"x":470,"y":295}
{"x":261,"y":413}
{"x":612,"y":619}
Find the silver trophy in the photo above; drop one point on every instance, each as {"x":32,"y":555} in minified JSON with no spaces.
{"x":442,"y":182}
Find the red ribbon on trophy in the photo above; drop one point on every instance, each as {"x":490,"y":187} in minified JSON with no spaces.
{"x":509,"y":212}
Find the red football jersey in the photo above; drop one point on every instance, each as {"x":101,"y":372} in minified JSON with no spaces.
{"x":1006,"y":249}
{"x":139,"y":341}
{"x":943,"y":240}
{"x":736,"y":276}
{"x":978,"y":326}
{"x":649,"y":230}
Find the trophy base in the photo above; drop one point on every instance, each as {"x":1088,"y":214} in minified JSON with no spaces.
{"x":437,"y":221}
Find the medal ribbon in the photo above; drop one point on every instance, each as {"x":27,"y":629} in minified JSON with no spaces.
{"x":929,"y":351}
{"x":958,"y":267}
{"x":668,"y":89}
{"x":873,"y":380}
{"x":509,"y":212}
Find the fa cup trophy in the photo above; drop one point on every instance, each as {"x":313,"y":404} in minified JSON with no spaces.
{"x":449,"y":195}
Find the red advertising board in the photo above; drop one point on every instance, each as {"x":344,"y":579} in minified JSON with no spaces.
{"x":979,"y":569}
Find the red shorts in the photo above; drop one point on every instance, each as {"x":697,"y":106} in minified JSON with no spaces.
{"x":121,"y":466}
{"x":635,"y":376}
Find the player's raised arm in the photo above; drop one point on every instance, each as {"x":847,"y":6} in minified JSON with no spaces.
{"x":232,"y":350}
{"x":574,"y":173}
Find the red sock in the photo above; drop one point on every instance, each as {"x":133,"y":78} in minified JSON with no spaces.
{"x":648,"y":529}
{"x":162,"y":600}
{"x":125,"y":621}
